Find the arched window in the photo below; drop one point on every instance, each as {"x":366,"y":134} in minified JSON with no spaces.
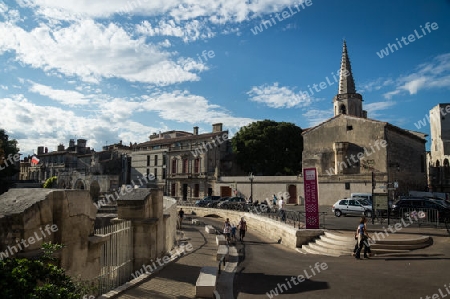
{"x":174,"y":166}
{"x":446,"y":164}
{"x":342,"y":109}
{"x":438,"y":163}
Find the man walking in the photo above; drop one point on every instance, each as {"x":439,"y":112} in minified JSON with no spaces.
{"x":180,"y":217}
{"x":242,"y":229}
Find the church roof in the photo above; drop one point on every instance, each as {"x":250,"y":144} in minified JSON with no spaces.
{"x":412,"y":134}
{"x":346,"y":81}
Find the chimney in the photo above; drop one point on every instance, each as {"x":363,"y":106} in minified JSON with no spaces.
{"x":217,"y":127}
{"x":40,"y":150}
{"x":195,"y":130}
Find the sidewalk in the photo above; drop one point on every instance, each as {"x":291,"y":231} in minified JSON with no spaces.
{"x":177,"y":279}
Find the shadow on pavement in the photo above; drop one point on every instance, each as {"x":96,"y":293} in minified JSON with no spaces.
{"x":259,"y":284}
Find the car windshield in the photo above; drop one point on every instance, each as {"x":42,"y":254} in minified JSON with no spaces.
{"x":364,"y":202}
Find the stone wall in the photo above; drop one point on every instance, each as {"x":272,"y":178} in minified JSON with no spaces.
{"x":30,"y":215}
{"x":170,"y":222}
{"x":406,"y":161}
{"x":273,"y":230}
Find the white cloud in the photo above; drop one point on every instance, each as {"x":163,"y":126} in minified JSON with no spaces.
{"x":34,"y":125}
{"x":279,"y":97}
{"x":216,"y":11}
{"x":315,"y":116}
{"x":96,"y":51}
{"x":180,"y":105}
{"x":372,"y":108}
{"x":65,"y":97}
{"x":431,"y":75}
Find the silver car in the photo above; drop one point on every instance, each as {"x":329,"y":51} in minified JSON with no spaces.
{"x":348,"y":206}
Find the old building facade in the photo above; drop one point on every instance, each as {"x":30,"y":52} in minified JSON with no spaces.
{"x":439,"y":155}
{"x":186,"y":165}
{"x":349,"y":147}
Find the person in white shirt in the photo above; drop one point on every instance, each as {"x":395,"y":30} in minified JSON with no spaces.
{"x":282,"y":206}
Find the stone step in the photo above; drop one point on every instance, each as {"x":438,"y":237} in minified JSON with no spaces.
{"x":342,"y":243}
{"x":319,"y":248}
{"x":325,"y":243}
{"x":309,"y":250}
{"x":206,"y":282}
{"x":340,"y":236}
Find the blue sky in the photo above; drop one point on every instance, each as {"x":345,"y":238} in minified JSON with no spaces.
{"x":122,"y":70}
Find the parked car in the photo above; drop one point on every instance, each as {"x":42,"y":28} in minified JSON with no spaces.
{"x":206,"y":200}
{"x":366,"y":196}
{"x":348,"y":206}
{"x":419,"y":203}
{"x":235,"y":203}
{"x":214,"y":203}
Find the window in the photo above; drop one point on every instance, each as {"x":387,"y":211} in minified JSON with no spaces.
{"x":196,"y":190}
{"x":148,"y":172}
{"x":155,"y":173}
{"x":148,"y":160}
{"x":349,"y":128}
{"x":164,"y":174}
{"x":172,"y":189}
{"x":347,"y":186}
{"x":156,"y":160}
{"x":185,"y":166}
{"x":174,"y":166}
{"x":342,"y":109}
{"x":197,"y":165}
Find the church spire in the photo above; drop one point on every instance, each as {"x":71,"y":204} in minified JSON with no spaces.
{"x":347,"y":101}
{"x":346,"y":82}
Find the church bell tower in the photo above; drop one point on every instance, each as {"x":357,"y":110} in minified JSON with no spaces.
{"x":347,"y":101}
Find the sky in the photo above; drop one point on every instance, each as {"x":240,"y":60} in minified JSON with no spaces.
{"x":118,"y":70}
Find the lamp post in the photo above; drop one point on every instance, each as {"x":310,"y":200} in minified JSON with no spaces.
{"x":251,"y":177}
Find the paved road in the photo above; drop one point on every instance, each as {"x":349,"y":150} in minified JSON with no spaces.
{"x":265,"y":266}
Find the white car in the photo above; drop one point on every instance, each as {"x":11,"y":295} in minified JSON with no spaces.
{"x":348,"y":206}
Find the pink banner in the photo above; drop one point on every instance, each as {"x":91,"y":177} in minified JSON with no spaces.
{"x":311,"y":198}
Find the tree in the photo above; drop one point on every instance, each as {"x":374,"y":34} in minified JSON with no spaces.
{"x":38,"y":278}
{"x":50,"y":182}
{"x":8,"y":148}
{"x":269,"y":148}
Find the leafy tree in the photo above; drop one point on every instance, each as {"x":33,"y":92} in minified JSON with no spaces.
{"x":50,"y":182}
{"x":269,"y":148}
{"x":8,"y":148}
{"x":38,"y":278}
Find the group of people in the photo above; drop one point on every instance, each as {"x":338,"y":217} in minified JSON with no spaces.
{"x":229,"y":230}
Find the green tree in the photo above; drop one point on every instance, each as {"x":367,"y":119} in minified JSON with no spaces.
{"x":38,"y":278}
{"x":50,"y":182}
{"x":269,"y":148}
{"x":8,"y":148}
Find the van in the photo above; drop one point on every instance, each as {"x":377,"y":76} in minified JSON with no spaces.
{"x":366,"y":196}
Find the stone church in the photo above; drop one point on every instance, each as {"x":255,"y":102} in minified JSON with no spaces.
{"x":349,"y":148}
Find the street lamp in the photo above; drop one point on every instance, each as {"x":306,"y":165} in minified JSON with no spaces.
{"x":251,"y":177}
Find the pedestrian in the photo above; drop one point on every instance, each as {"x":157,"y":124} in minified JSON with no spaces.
{"x":233,"y":233}
{"x":363,"y":237}
{"x":282,"y":206}
{"x":242,"y":229}
{"x":180,"y":217}
{"x":274,"y":200}
{"x":227,"y":230}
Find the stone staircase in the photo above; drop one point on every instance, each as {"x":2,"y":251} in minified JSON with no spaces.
{"x":339,"y":243}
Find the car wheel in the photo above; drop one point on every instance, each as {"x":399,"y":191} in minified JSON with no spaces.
{"x":337,"y":213}
{"x":368,"y":214}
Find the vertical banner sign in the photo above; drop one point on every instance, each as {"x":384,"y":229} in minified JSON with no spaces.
{"x":310,"y":187}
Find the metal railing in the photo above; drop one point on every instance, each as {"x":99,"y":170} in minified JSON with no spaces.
{"x":295,"y":218}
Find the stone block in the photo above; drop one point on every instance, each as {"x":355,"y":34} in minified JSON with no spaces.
{"x":222,"y":250}
{"x":206,"y":282}
{"x":220,"y":240}
{"x":197,"y":222}
{"x":210,"y":229}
